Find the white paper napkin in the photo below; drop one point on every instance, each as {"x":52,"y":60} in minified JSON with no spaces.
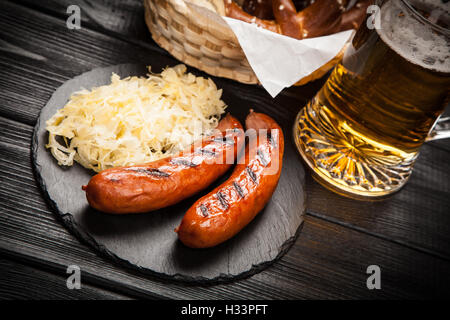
{"x":279,"y":61}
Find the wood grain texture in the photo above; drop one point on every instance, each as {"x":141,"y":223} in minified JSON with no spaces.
{"x":24,"y":282}
{"x":424,"y":226}
{"x":121,"y":18}
{"x":38,"y":53}
{"x":327,"y":261}
{"x":417,"y":216}
{"x":46,"y":76}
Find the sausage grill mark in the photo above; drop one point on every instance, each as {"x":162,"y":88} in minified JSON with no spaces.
{"x":271,"y":139}
{"x":204,"y":210}
{"x":238,"y":189}
{"x":262,"y":157}
{"x":252,"y":174}
{"x":203,"y":151}
{"x":222,"y":200}
{"x":151,"y":172}
{"x":183,"y":162}
{"x":224,"y":140}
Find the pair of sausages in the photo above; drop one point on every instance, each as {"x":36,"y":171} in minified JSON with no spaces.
{"x":223,"y":212}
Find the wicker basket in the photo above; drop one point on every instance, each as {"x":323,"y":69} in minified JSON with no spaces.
{"x":198,"y":37}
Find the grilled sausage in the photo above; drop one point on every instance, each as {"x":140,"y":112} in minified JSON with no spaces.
{"x":167,"y":181}
{"x":227,"y":209}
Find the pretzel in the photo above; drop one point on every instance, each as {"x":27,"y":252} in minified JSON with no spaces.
{"x":319,"y":18}
{"x":259,"y":8}
{"x":354,"y":17}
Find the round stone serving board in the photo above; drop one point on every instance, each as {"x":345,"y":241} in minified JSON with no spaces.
{"x":148,"y":241}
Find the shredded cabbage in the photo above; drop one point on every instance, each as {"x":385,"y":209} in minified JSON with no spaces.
{"x":134,"y":120}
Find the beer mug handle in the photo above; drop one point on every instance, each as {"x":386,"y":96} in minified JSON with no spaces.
{"x":440,"y":129}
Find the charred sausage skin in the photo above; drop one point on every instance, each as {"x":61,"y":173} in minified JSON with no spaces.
{"x":227,"y":209}
{"x":155,"y":185}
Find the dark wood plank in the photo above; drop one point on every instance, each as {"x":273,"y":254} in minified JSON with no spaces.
{"x":122,"y":18}
{"x":417,"y":216}
{"x":327,"y":260}
{"x":413,"y":217}
{"x":39,"y":53}
{"x":50,"y":77}
{"x":20,"y":281}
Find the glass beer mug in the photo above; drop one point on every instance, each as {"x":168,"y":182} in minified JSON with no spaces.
{"x":362,"y":131}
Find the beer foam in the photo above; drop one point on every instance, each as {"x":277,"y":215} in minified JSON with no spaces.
{"x":408,"y":37}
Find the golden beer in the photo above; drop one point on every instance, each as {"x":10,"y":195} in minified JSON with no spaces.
{"x":362,"y":132}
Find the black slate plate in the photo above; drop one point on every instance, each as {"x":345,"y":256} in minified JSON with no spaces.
{"x":147,"y":241}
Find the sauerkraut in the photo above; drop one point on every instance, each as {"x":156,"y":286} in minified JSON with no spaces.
{"x":134,"y":120}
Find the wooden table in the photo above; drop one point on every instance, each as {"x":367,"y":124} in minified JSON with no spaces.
{"x":407,"y":236}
